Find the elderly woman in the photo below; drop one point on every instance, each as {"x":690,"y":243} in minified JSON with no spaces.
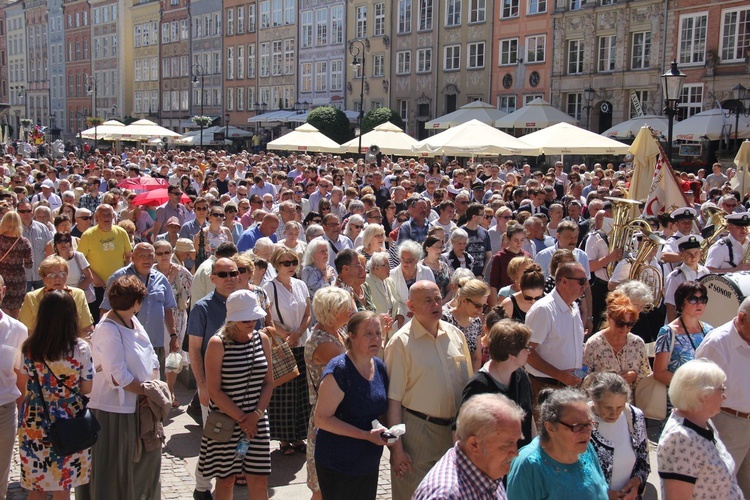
{"x":531,"y":289}
{"x":184,"y":250}
{"x":620,"y":440}
{"x":457,"y":257}
{"x":504,"y":373}
{"x":381,"y":285}
{"x":561,"y":462}
{"x":615,"y":348}
{"x":316,"y":272}
{"x":15,"y":255}
{"x":677,"y":341}
{"x":292,"y":233}
{"x":354,"y":227}
{"x":289,"y":411}
{"x":124,"y":360}
{"x":692,"y":459}
{"x":353,"y":393}
{"x":239,"y":378}
{"x":332,"y":308}
{"x":408,"y":272}
{"x":465,"y":312}
{"x":54,"y":273}
{"x":373,"y":241}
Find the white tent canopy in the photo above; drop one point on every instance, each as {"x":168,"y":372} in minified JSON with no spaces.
{"x":145,"y":130}
{"x":279,"y":116}
{"x":474,"y":138}
{"x":536,"y":114}
{"x":477,"y":110}
{"x":107,"y":131}
{"x":566,"y":139}
{"x":709,"y":124}
{"x":305,"y":138}
{"x":195,"y":140}
{"x":630,"y":128}
{"x":388,"y":137}
{"x":233,"y":131}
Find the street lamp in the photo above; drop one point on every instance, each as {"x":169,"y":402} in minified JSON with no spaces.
{"x":588,"y":95}
{"x":672,"y":82}
{"x":357,"y":50}
{"x":737,"y":107}
{"x":198,"y":72}
{"x":226,"y":126}
{"x":91,"y":84}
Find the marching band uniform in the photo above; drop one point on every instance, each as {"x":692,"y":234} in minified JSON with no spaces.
{"x":684,"y":213}
{"x":683,"y":273}
{"x":728,"y":253}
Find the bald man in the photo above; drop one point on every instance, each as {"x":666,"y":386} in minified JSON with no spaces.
{"x":266,"y":229}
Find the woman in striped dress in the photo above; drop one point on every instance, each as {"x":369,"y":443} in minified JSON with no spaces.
{"x":239,"y":378}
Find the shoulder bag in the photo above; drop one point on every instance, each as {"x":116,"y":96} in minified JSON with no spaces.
{"x":89,"y":290}
{"x":11,"y":248}
{"x":200,"y":256}
{"x":284,"y":365}
{"x":69,"y":435}
{"x":651,"y":395}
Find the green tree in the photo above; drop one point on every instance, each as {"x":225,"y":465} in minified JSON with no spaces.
{"x":332,"y":122}
{"x":378,"y":116}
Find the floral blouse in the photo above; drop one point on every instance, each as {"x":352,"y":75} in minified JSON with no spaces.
{"x":472,"y":332}
{"x":600,"y":356}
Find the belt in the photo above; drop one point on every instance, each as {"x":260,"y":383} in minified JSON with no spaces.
{"x":736,"y":413}
{"x":549,"y":381}
{"x":432,"y":420}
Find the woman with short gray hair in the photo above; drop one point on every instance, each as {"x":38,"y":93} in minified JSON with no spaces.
{"x":561,"y":462}
{"x":408,"y":272}
{"x":457,"y":257}
{"x":693,"y":461}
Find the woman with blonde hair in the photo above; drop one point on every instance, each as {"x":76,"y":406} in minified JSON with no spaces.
{"x":15,"y":257}
{"x":373,"y":241}
{"x":465,"y":313}
{"x":516,"y":267}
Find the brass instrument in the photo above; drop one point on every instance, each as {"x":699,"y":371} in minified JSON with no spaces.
{"x":620,"y":236}
{"x":640,"y":269}
{"x":718,"y":220}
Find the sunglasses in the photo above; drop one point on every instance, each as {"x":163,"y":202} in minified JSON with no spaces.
{"x":695,"y":299}
{"x":578,"y":428}
{"x":201,"y":209}
{"x":221,"y":216}
{"x":357,"y":226}
{"x":506,"y":217}
{"x":580,"y":281}
{"x":477,"y":306}
{"x":227,"y":274}
{"x":24,"y":211}
{"x":488,"y":217}
{"x":287,"y":263}
{"x":528,"y":348}
{"x":316,"y":221}
{"x":530,"y":298}
{"x":84,"y":217}
{"x":176,"y":193}
{"x":242,"y":270}
{"x":622,"y":324}
{"x":161,"y":254}
{"x":401,"y":221}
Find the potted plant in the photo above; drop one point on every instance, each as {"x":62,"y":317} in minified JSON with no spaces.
{"x":26,"y":122}
{"x":94,"y":121}
{"x":202,"y":121}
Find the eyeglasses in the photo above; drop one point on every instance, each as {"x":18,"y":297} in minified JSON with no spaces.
{"x":357,"y":226}
{"x":376,"y":217}
{"x":201,"y":209}
{"x":528,"y":348}
{"x":176,"y":193}
{"x":316,"y":221}
{"x":161,"y":254}
{"x":696,"y":299}
{"x":242,"y":270}
{"x":287,"y":263}
{"x":61,"y":274}
{"x":580,"y":281}
{"x":401,"y":221}
{"x":227,"y":274}
{"x":221,"y":216}
{"x":506,"y":217}
{"x":622,"y":324}
{"x":578,"y":428}
{"x":531,"y":299}
{"x":723,"y":389}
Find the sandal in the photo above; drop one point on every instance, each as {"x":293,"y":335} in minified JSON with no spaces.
{"x":300,"y":446}
{"x":175,"y":403}
{"x":240,"y":480}
{"x":287,"y":449}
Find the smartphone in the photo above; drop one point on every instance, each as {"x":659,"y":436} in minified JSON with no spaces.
{"x":389,"y":437}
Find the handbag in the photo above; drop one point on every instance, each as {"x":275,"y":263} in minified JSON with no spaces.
{"x":284,"y":365}
{"x":651,"y":395}
{"x":70,"y":435}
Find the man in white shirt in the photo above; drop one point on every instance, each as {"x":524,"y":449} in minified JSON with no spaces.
{"x":729,"y":347}
{"x":336,"y":241}
{"x":727,"y":255}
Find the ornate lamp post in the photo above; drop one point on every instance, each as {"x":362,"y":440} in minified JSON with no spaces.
{"x":738,"y":107}
{"x":357,"y":50}
{"x":672,"y":82}
{"x":588,"y":96}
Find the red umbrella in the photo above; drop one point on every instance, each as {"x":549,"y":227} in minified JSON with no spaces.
{"x":143,"y":184}
{"x":157,"y":197}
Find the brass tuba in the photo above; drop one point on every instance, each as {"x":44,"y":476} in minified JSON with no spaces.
{"x":640,"y":269}
{"x":621,"y":235}
{"x":718,"y":220}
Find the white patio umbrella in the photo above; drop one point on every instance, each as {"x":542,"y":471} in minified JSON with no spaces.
{"x":107,"y":131}
{"x":536,"y":114}
{"x":195,"y":140}
{"x":145,"y":130}
{"x":710,"y":124}
{"x":474,"y":137}
{"x":477,"y":110}
{"x":741,"y":181}
{"x":388,"y":137}
{"x":305,"y":138}
{"x":230,"y":131}
{"x":279,"y":116}
{"x":566,"y":139}
{"x":630,"y":128}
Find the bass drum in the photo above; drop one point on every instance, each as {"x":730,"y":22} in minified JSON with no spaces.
{"x":725,"y":294}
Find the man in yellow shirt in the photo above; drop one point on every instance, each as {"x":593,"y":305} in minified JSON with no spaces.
{"x":107,"y":248}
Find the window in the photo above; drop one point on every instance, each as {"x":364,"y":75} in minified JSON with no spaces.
{"x":477,"y":11}
{"x":251,"y":18}
{"x":276,"y":12}
{"x":378,"y":65}
{"x":230,"y":99}
{"x":165,"y":66}
{"x":276,"y":56}
{"x":379,"y":26}
{"x":230,"y":22}
{"x":453,"y":13}
{"x":240,"y":98}
{"x":452,"y":58}
{"x":337,"y":75}
{"x":307,"y":29}
{"x":265,"y":58}
{"x":575,"y":57}
{"x":240,"y":62}
{"x":230,"y":63}
{"x":607,"y":47}
{"x":321,"y":27}
{"x":404,"y":16}
{"x":535,"y":48}
{"x":289,"y":56}
{"x":735,"y":34}
{"x":306,"y":77}
{"x":508,"y":52}
{"x":609,"y":2}
{"x":691,"y":100}
{"x":166,"y":100}
{"x":476,"y":55}
{"x":164,"y":33}
{"x":265,"y":14}
{"x":184,"y":29}
{"x":321,"y":76}
{"x":251,"y":60}
{"x":510,"y":9}
{"x":240,"y":22}
{"x":361,"y":29}
{"x":403,"y":62}
{"x":424,"y":60}
{"x":425,"y":15}
{"x":693,"y":38}
{"x":289,"y":11}
{"x":576,"y":4}
{"x":403,"y":112}
{"x":250,"y":98}
{"x":641,"y":52}
{"x":573,"y":104}
{"x":642,"y":97}
{"x":506,"y":103}
{"x":537,"y":6}
{"x":337,"y":24}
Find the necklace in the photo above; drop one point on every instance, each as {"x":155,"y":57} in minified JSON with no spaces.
{"x":132,"y":324}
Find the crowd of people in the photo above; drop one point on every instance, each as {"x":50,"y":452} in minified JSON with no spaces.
{"x":329,"y":304}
